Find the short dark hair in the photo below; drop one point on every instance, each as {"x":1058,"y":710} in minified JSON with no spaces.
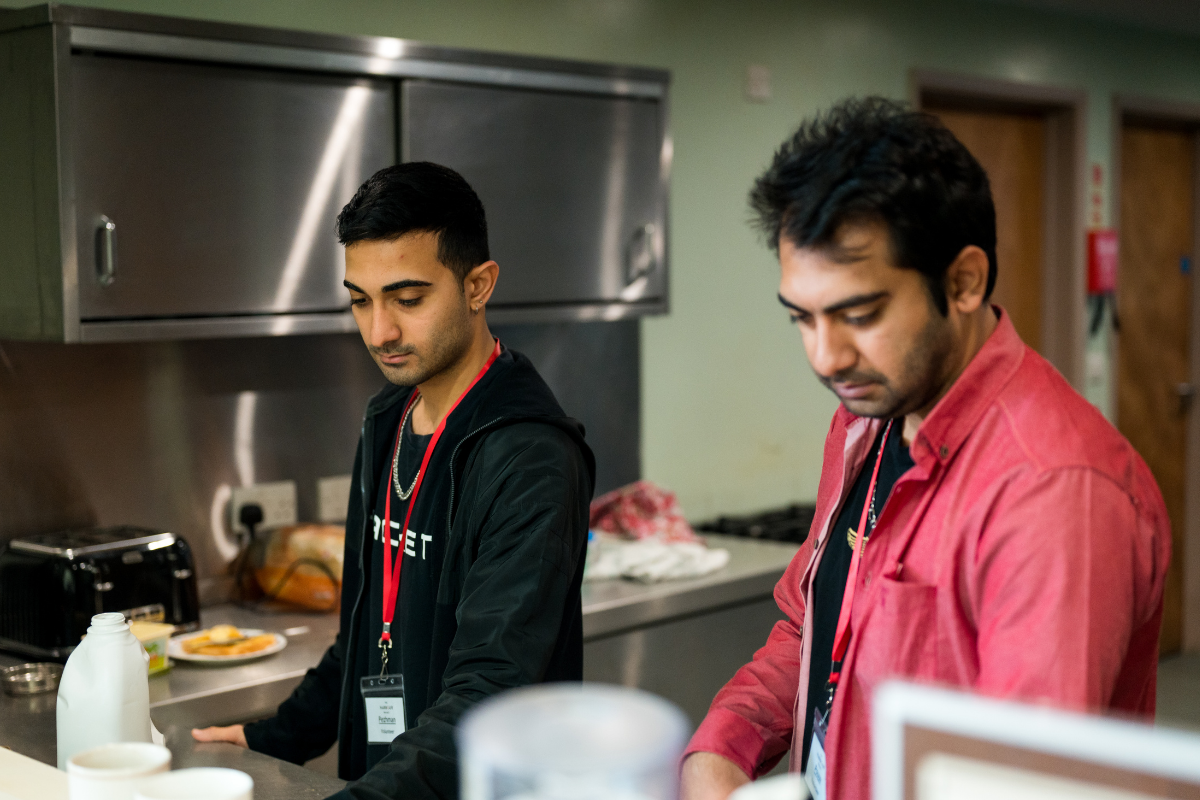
{"x":874,"y":160}
{"x":419,"y":196}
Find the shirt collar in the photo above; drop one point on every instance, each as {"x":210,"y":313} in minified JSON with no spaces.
{"x":953,"y":418}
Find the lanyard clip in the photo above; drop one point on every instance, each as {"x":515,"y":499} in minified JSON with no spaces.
{"x":835,"y":674}
{"x":385,"y":644}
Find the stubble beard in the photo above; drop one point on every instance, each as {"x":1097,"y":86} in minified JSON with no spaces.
{"x":448,"y":343}
{"x":921,"y":380}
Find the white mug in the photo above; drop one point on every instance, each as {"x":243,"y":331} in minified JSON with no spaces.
{"x":110,"y":771}
{"x":197,"y":783}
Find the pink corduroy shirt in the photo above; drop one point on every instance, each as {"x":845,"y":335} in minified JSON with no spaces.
{"x":1023,"y":556}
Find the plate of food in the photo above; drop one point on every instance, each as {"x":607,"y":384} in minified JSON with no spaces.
{"x":225,"y":644}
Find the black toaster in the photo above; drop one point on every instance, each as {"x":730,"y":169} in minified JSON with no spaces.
{"x":52,"y":584}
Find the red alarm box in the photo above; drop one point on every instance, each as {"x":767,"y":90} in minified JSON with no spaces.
{"x":1102,"y":261}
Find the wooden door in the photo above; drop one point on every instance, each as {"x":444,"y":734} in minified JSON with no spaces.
{"x":1154,"y":302}
{"x":1012,"y":149}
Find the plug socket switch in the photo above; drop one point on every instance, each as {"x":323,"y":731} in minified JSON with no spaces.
{"x":277,"y":500}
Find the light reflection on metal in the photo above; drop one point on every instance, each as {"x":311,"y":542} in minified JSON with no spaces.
{"x":389,"y":48}
{"x":216,"y":520}
{"x":313,"y":218}
{"x":612,"y":312}
{"x":243,"y":437}
{"x":612,"y":243}
{"x":630,"y":293}
{"x":349,"y":181}
{"x":243,"y":459}
{"x":665,"y":159}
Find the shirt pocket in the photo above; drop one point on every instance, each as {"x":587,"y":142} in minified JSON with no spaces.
{"x":901,"y":634}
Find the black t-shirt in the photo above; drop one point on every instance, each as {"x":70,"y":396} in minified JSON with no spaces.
{"x":829,"y":585}
{"x":422,"y":567}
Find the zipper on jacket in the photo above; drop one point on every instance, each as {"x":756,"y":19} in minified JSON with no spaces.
{"x":366,"y":470}
{"x":347,"y":658}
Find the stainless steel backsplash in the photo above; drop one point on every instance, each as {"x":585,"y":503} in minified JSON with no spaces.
{"x":156,"y":433}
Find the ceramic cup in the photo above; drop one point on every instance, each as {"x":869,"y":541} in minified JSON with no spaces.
{"x":197,"y":783}
{"x":110,"y":771}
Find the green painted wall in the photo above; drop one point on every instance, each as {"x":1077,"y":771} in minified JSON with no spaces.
{"x":733,"y":419}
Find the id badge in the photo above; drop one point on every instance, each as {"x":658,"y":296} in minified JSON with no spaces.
{"x":384,"y":699}
{"x":814,"y":771}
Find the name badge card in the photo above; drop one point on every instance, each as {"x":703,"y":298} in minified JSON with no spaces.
{"x":814,"y":770}
{"x":384,"y":699}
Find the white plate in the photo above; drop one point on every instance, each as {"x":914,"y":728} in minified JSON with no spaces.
{"x":175,"y":648}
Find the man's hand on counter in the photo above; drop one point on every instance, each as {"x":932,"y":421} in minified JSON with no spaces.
{"x":234,"y":734}
{"x":708,"y":776}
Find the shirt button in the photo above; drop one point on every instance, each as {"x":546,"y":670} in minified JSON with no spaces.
{"x":868,"y":584}
{"x":944,"y":451}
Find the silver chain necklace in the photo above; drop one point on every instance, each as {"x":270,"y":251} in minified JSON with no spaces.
{"x":871,"y":513}
{"x":871,"y":508}
{"x":404,"y":494}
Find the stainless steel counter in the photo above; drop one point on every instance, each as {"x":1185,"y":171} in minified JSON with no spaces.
{"x":189,"y":695}
{"x":273,"y":779}
{"x":754,"y":568}
{"x":681,"y":639}
{"x":200,"y":694}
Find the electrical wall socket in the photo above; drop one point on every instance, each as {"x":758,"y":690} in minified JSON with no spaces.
{"x":333,"y":498}
{"x":758,"y":83}
{"x":278,"y":502}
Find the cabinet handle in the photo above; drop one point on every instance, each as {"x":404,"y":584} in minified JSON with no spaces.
{"x":641,"y":243}
{"x":1186,"y":392}
{"x":106,"y":251}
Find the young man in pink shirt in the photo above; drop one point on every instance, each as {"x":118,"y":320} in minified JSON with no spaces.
{"x":978,"y":523}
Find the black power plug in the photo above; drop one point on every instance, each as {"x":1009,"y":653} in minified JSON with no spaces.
{"x":250,"y":515}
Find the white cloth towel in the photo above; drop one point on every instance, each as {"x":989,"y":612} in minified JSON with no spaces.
{"x":650,"y":561}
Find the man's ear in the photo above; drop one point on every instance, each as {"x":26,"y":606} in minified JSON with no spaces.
{"x":480,"y":283}
{"x":966,"y":280}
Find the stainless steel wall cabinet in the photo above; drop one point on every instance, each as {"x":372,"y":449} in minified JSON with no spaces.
{"x":585,"y":226}
{"x":166,"y":179}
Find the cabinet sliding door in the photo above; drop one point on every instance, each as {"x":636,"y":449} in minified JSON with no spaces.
{"x":205,"y":189}
{"x":573,"y":186}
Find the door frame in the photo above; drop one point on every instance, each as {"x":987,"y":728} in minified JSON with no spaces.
{"x":1135,"y":108}
{"x":1064,"y":288}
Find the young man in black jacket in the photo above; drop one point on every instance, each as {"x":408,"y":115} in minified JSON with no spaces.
{"x":482,"y":483}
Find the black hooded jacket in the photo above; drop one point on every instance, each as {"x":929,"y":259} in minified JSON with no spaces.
{"x":507,"y":610}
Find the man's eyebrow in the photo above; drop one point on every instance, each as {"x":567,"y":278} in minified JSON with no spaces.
{"x":849,"y":302}
{"x":398,"y":285}
{"x":391,"y":287}
{"x":792,"y":306}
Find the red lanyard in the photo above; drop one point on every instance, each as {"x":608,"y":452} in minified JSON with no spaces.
{"x":841,"y":639}
{"x":391,"y":572}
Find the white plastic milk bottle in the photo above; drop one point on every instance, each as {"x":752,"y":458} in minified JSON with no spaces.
{"x":104,"y":694}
